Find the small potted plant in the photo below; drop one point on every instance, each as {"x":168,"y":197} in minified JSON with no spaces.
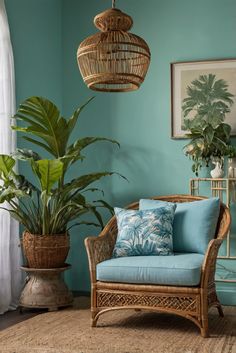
{"x":53,"y":204}
{"x":204,"y":113}
{"x":208,"y":144}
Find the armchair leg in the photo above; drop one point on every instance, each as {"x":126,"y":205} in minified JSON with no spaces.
{"x":220,"y":310}
{"x":204,"y":328}
{"x":93,"y":323}
{"x":204,"y":317}
{"x":94,"y":320}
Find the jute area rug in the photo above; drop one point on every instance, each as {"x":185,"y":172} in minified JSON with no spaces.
{"x":69,"y":331}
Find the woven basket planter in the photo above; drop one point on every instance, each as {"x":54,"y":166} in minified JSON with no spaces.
{"x":45,"y":251}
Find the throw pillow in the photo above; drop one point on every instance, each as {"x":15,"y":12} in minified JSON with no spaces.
{"x":194,"y":223}
{"x":146,"y":232}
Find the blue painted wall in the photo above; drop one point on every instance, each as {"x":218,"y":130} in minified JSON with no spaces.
{"x":36,"y":27}
{"x":36,"y":37}
{"x":140,"y":121}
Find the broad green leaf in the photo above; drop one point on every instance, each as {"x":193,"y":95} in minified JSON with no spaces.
{"x":227,"y":130}
{"x":82,"y":182}
{"x":73,"y":152}
{"x":11,"y":193}
{"x":84,"y":223}
{"x":209,"y":134}
{"x":25,"y":154}
{"x":45,"y":122}
{"x":48,"y":171}
{"x":80,"y":144}
{"x":106,"y":205}
{"x":94,"y":190}
{"x":23,"y":184}
{"x":78,"y":199}
{"x":38,"y":143}
{"x":73,"y":120}
{"x":69,"y":159}
{"x":97,"y":215}
{"x":45,"y":197}
{"x":6,"y":165}
{"x":42,"y":119}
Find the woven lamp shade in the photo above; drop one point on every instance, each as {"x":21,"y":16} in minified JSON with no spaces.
{"x":113,"y":60}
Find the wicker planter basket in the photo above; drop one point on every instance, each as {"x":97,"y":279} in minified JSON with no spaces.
{"x":45,"y":251}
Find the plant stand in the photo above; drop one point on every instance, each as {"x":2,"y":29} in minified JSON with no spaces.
{"x":225,"y":189}
{"x":45,"y":288}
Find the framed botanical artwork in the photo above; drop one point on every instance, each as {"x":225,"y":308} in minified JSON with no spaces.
{"x":202,"y":89}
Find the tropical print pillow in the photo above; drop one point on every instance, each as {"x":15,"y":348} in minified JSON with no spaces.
{"x":144,"y":232}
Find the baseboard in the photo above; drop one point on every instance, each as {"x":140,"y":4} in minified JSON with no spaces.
{"x":77,"y":293}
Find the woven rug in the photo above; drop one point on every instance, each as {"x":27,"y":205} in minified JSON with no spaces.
{"x":128,"y":331}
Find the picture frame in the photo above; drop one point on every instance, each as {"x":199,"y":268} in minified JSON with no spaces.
{"x":182,"y":76}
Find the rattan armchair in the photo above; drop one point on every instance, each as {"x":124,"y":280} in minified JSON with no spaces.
{"x":190,"y":302}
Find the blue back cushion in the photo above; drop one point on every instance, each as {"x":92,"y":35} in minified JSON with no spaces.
{"x":194,"y":223}
{"x":146,"y":232}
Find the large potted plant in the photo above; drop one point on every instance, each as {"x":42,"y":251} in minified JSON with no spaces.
{"x":50,"y":206}
{"x":204,"y":112}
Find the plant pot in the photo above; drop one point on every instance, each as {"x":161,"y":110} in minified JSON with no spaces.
{"x":217,"y":172}
{"x":45,"y":251}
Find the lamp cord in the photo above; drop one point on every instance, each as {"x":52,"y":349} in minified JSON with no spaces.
{"x":113,"y":4}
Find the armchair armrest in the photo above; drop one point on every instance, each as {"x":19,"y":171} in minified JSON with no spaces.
{"x":100,"y":248}
{"x":209,"y":263}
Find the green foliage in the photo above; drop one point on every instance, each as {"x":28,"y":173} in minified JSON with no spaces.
{"x":204,"y":113}
{"x":48,"y":171}
{"x":6,"y":165}
{"x":231,"y":151}
{"x":44,"y":121}
{"x":50,"y":205}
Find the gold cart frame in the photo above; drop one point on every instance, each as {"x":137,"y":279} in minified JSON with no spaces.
{"x":218,"y":187}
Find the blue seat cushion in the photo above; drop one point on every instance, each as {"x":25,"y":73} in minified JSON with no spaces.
{"x":172,"y":270}
{"x":194,"y":223}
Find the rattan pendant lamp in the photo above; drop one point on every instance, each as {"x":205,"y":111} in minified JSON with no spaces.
{"x":113,"y":60}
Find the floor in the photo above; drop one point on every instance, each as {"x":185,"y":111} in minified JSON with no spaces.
{"x":144,"y":331}
{"x":14,"y":317}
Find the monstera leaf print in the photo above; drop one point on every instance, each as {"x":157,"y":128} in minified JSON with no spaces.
{"x":145,"y":232}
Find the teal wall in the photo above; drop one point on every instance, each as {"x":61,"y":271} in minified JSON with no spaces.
{"x":36,"y":27}
{"x":36,"y":37}
{"x":140,"y":121}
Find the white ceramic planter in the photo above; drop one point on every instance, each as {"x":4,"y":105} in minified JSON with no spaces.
{"x":217,"y":172}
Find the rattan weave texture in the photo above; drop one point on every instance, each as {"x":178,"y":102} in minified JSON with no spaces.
{"x":45,"y":251}
{"x":113,"y":60}
{"x":192,"y":303}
